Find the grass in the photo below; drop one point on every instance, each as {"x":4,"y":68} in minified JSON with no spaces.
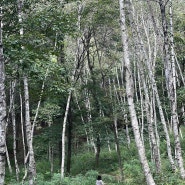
{"x":84,"y":170}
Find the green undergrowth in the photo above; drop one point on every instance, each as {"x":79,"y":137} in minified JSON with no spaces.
{"x":84,"y":170}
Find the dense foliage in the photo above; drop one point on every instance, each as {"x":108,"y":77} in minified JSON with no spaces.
{"x":74,"y":49}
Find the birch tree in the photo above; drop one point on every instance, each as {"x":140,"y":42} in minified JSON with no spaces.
{"x":149,"y":68}
{"x":30,"y":159}
{"x":170,"y":69}
{"x":2,"y":107}
{"x":73,"y":80}
{"x":129,"y":92}
{"x":173,"y":99}
{"x":12,"y":104}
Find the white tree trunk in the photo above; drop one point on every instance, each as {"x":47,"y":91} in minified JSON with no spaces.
{"x":173,"y":99}
{"x":12,"y":102}
{"x":31,"y":165}
{"x":2,"y":108}
{"x":23,"y":136}
{"x":153,"y":83}
{"x":8,"y":160}
{"x":63,"y":133}
{"x":38,"y":105}
{"x":129,"y":92}
{"x":29,"y":137}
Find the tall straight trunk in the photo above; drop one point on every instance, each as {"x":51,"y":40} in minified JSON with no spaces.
{"x":170,"y":68}
{"x":150,"y":119}
{"x":166,"y":46}
{"x":2,"y":108}
{"x":73,"y":80}
{"x":23,"y":133}
{"x":129,"y":92}
{"x":30,"y":159}
{"x":141,"y":120}
{"x":7,"y":121}
{"x":152,"y":17}
{"x":63,"y":133}
{"x":12,"y":102}
{"x":154,"y":85}
{"x":8,"y":160}
{"x":149,"y":99}
{"x":69,"y":141}
{"x":180,"y":70}
{"x":118,"y":148}
{"x":173,"y":98}
{"x":29,"y":137}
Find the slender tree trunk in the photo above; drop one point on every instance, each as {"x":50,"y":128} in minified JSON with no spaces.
{"x":98,"y":147}
{"x":2,"y":108}
{"x":166,"y":47}
{"x":129,"y":92}
{"x":73,"y":80}
{"x":180,"y":70}
{"x":63,"y":133}
{"x":12,"y":102}
{"x":141,"y":120}
{"x":169,"y":59}
{"x":173,"y":98}
{"x":149,"y":102}
{"x":154,"y":86}
{"x":31,"y":162}
{"x":150,"y":119}
{"x":23,"y":134}
{"x":69,"y":140}
{"x":152,"y":16}
{"x":38,"y":105}
{"x":118,"y":148}
{"x":29,"y":136}
{"x":8,"y":160}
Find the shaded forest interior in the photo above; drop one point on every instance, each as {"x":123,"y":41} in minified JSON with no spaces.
{"x":92,"y":87}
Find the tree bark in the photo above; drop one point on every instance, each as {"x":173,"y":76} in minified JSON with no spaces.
{"x":23,"y":133}
{"x":166,"y":47}
{"x":170,"y":69}
{"x":30,"y":159}
{"x":129,"y":92}
{"x":12,"y":102}
{"x":150,"y":68}
{"x":173,"y":98}
{"x":63,"y":133}
{"x":69,"y":140}
{"x":118,"y":148}
{"x":2,"y":108}
{"x":29,"y":137}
